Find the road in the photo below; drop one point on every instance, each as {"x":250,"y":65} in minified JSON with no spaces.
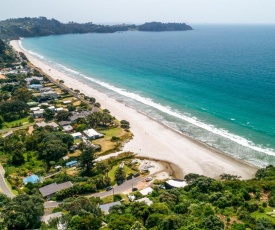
{"x":119,"y":188}
{"x":3,"y":185}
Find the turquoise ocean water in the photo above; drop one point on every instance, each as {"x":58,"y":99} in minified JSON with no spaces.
{"x":215,"y":84}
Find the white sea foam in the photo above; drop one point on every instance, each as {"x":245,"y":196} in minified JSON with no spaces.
{"x":30,"y":51}
{"x":166,"y":109}
{"x":193,"y":120}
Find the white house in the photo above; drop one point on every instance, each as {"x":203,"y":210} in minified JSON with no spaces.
{"x":92,"y":134}
{"x":77,"y":135}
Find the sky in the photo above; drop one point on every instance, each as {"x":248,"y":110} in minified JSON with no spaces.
{"x":140,"y":11}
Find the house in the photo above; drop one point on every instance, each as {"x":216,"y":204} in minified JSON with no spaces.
{"x":34,"y":109}
{"x":67,"y":102}
{"x":146,"y":200}
{"x":31,"y":179}
{"x":33,"y":103}
{"x":146,"y":191}
{"x":51,"y":189}
{"x":52,"y":108}
{"x":106,"y":207}
{"x":38,"y":113}
{"x":67,"y":128}
{"x":77,"y":115}
{"x":71,"y":164}
{"x":92,"y":134}
{"x":35,"y":86}
{"x":51,"y":124}
{"x":59,"y":109}
{"x":45,"y":89}
{"x":47,"y":218}
{"x":49,"y":94}
{"x":62,"y":123}
{"x":7,"y":134}
{"x":175,"y":183}
{"x":77,"y":135}
{"x":29,"y":79}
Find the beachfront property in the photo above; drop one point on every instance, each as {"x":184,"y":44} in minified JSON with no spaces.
{"x":35,"y":86}
{"x":92,"y":134}
{"x":76,"y":115}
{"x":49,"y":94}
{"x":49,"y":190}
{"x":45,"y":89}
{"x":31,"y":179}
{"x":77,"y":136}
{"x":29,"y":79}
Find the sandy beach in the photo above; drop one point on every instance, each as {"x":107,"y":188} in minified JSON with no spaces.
{"x":154,"y":140}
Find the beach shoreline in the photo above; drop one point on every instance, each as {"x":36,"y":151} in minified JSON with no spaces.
{"x":153,"y":139}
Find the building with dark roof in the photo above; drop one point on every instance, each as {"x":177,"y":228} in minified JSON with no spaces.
{"x":51,"y":189}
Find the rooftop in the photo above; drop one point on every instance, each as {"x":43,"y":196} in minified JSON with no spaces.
{"x":31,"y":179}
{"x":106,"y":207}
{"x":176,"y":183}
{"x":53,"y":188}
{"x":91,"y":132}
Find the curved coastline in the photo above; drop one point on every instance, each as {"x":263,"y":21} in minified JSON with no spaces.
{"x":155,"y":140}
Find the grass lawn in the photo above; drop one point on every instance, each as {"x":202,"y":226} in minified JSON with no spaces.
{"x":110,"y":199}
{"x":24,"y":121}
{"x":12,"y":190}
{"x":127,"y":170}
{"x":259,"y":215}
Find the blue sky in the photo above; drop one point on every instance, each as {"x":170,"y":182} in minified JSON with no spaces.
{"x":139,"y":11}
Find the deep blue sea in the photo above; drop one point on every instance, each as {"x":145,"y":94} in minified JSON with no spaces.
{"x":215,"y":84}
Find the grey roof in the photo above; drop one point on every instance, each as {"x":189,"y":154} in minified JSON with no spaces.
{"x":75,"y":116}
{"x":62,"y":123}
{"x":53,"y":188}
{"x":47,"y":218}
{"x":106,"y":207}
{"x":67,"y":127}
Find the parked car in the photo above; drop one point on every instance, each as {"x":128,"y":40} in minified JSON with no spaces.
{"x":109,"y":188}
{"x":129,"y":177}
{"x":148,"y":179}
{"x":136,"y":174}
{"x":134,"y":189}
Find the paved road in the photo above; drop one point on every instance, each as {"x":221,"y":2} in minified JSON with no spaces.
{"x":16,"y":128}
{"x":3,"y":185}
{"x":119,"y":188}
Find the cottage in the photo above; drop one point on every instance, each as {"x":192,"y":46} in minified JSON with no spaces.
{"x":29,"y":79}
{"x":59,"y":109}
{"x":92,"y":134}
{"x":35,"y":109}
{"x":71,"y":164}
{"x":44,"y":124}
{"x":146,"y":191}
{"x":33,"y":103}
{"x":77,"y":135}
{"x":31,"y":179}
{"x":51,"y":189}
{"x":67,"y":102}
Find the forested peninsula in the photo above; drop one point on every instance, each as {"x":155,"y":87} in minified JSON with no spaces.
{"x":41,"y":26}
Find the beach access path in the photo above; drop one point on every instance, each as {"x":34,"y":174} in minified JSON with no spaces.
{"x":151,"y":138}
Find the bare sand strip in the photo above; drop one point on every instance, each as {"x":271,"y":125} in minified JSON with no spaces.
{"x":154,"y":140}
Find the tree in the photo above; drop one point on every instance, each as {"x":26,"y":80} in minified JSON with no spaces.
{"x":120,"y":174}
{"x":86,"y":222}
{"x":63,"y":115}
{"x":124,"y":124}
{"x":88,"y":157}
{"x":35,"y":82}
{"x":48,"y":114}
{"x":17,"y":158}
{"x":14,"y":110}
{"x":1,"y":122}
{"x":264,"y":224}
{"x":6,"y":97}
{"x":53,"y":150}
{"x":22,"y":94}
{"x":23,"y":212}
{"x":137,"y":226}
{"x":212,"y":223}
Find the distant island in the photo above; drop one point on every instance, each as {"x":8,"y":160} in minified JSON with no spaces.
{"x":41,"y":26}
